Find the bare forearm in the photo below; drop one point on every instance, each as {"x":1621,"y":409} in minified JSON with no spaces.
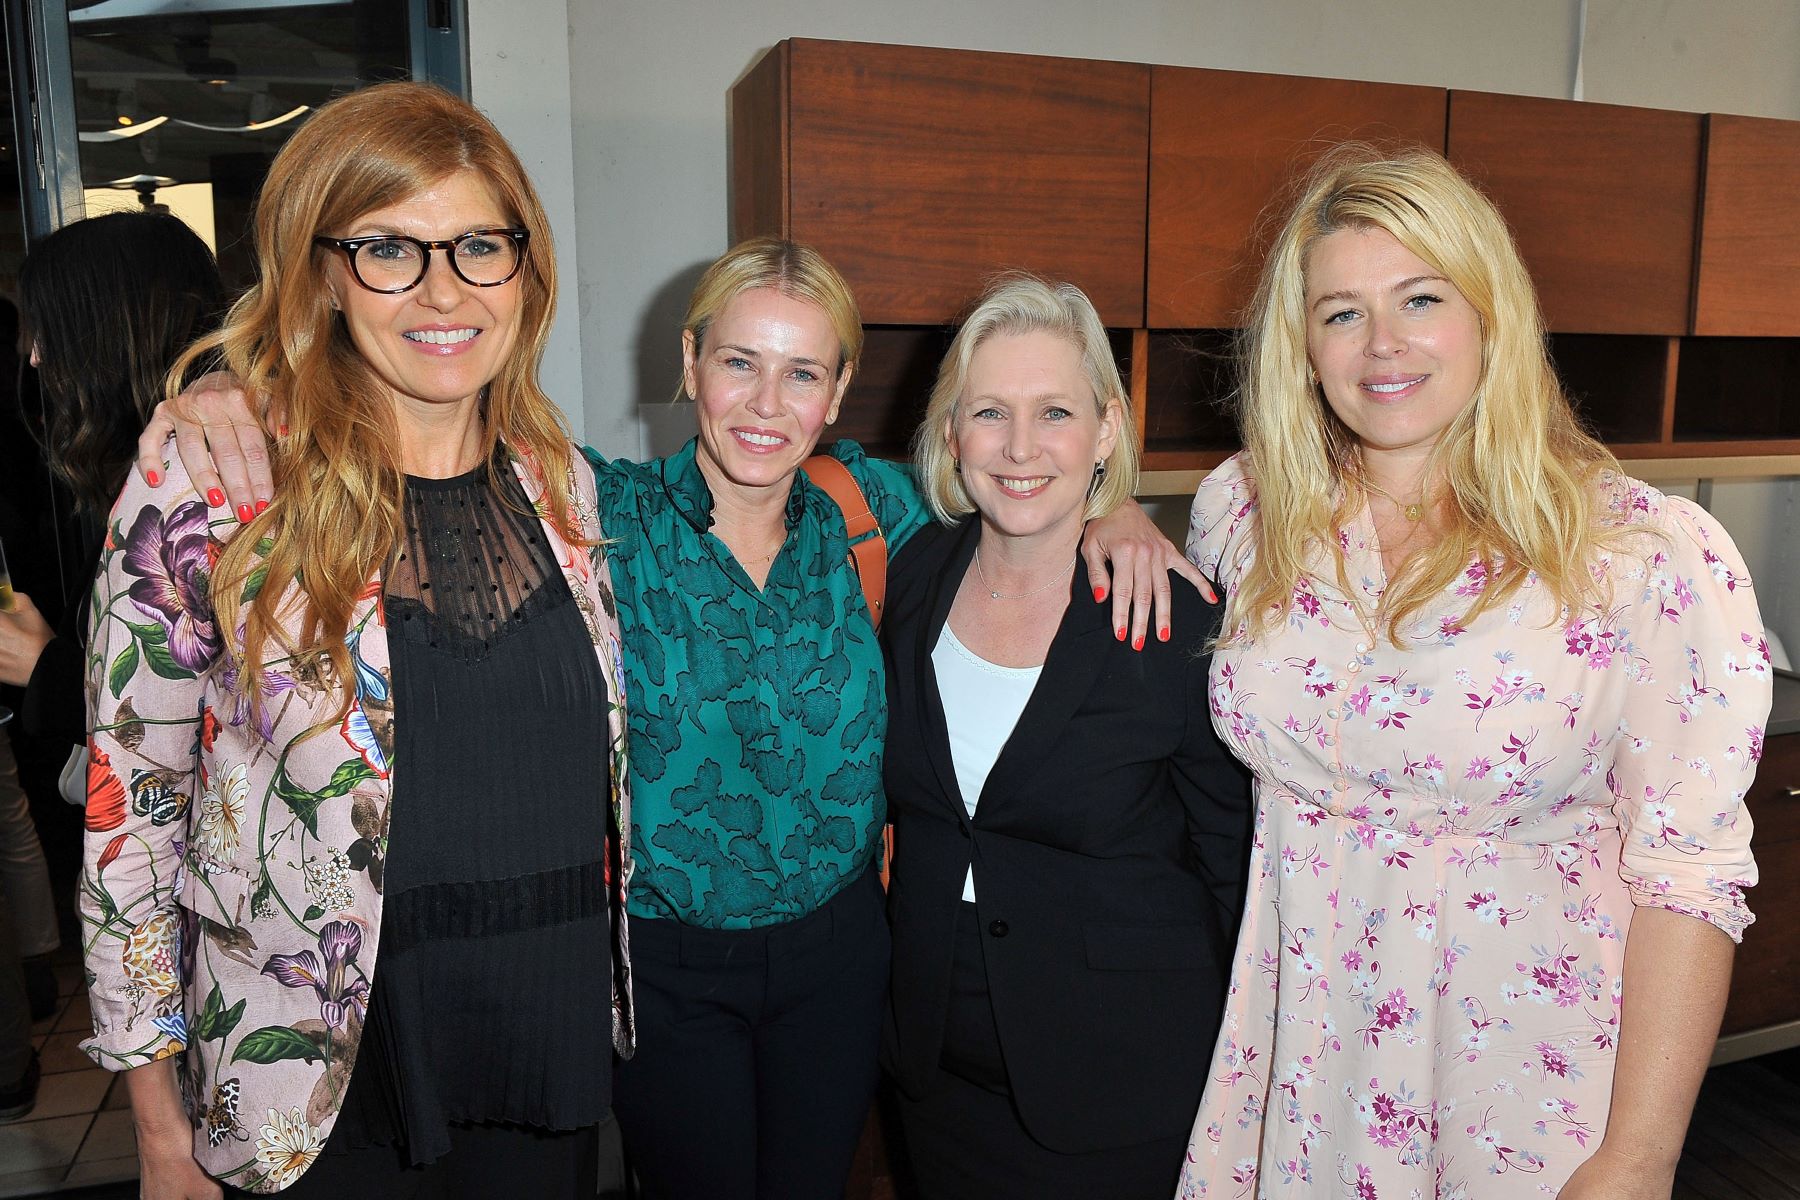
{"x":166,"y":1166}
{"x":156,"y":1100}
{"x":1677,"y":972}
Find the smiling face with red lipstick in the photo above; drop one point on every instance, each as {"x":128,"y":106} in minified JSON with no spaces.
{"x":766,"y":379}
{"x":1396,"y":347}
{"x":442,"y":341}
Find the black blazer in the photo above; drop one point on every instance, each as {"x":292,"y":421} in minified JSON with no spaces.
{"x":1108,"y":847}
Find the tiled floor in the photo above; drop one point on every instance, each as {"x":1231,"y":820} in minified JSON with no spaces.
{"x":1744,"y":1143}
{"x":80,"y":1132}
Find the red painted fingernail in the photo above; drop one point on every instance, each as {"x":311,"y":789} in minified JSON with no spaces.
{"x":262,"y":504}
{"x":1120,"y":633}
{"x":1099,"y":592}
{"x":1138,"y":643}
{"x":1162,"y":635}
{"x":244,"y":514}
{"x":215,"y":497}
{"x":155,"y":478}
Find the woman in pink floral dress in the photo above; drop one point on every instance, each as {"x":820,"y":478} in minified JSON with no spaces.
{"x":1502,"y":702}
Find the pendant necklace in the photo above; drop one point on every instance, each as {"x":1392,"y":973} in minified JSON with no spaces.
{"x":999,"y":595}
{"x":1412,"y":512}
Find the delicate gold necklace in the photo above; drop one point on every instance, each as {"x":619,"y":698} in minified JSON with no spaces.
{"x":998,"y":595}
{"x":745,"y":561}
{"x":1412,"y":512}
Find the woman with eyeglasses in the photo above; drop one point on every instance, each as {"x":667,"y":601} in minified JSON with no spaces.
{"x":376,"y":721}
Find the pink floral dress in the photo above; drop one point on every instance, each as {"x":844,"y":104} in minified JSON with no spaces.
{"x":1450,"y":841}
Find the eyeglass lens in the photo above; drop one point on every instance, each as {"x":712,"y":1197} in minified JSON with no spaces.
{"x":397,"y":262}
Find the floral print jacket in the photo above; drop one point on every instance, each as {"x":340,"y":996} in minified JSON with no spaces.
{"x":231,"y":889}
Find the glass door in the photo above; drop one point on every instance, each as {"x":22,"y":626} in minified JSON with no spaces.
{"x":175,"y":105}
{"x":181,"y":104}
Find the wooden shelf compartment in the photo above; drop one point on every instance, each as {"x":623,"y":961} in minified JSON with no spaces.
{"x":892,"y":385}
{"x":1733,"y":390}
{"x":1190,"y":377}
{"x":1622,"y":386}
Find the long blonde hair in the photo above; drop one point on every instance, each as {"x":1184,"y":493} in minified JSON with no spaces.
{"x":1519,"y":467}
{"x":339,"y":483}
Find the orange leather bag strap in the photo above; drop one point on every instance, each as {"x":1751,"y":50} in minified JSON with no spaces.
{"x":868,"y":556}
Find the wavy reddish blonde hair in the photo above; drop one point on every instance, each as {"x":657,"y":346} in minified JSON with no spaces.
{"x":337,"y":469}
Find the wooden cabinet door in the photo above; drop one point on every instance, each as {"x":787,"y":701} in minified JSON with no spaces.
{"x":1602,"y":200}
{"x":1222,"y":145}
{"x":921,"y":172}
{"x":1765,"y":983}
{"x":1749,"y":282}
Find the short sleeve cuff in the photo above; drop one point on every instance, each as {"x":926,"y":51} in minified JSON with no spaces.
{"x":1725,"y":910}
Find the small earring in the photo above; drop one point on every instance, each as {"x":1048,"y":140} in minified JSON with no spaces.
{"x":956,"y":465}
{"x":1099,"y":474}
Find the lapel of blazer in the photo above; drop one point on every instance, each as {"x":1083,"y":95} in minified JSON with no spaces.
{"x":940,"y":595}
{"x":590,"y":583}
{"x":1073,"y":665}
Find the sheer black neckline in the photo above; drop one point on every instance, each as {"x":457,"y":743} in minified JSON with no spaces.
{"x":474,"y":563}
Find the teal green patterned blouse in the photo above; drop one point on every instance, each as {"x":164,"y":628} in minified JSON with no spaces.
{"x":756,"y":718}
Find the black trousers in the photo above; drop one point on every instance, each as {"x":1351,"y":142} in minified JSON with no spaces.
{"x":485,"y":1161}
{"x":964,"y":1138}
{"x":756,"y":1059}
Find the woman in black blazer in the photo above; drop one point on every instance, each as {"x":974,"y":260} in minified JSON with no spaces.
{"x":1069,"y":831}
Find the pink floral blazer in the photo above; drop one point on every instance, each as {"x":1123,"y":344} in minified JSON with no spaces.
{"x":228,"y":905}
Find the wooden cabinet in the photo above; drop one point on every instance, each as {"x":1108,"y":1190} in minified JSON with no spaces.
{"x":1749,"y":262}
{"x":1602,"y":201}
{"x":920,"y":172}
{"x":1765,"y":982}
{"x":1222,"y":146}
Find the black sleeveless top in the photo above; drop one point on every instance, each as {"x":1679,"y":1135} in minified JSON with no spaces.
{"x":490,"y":1002}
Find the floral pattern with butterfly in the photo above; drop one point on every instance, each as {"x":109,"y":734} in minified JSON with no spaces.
{"x":231,"y":892}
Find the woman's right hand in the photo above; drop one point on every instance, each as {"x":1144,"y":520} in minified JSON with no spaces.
{"x":221,"y":442}
{"x":167,"y":1170}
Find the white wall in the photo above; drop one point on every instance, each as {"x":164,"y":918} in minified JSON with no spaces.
{"x":637,"y":91}
{"x":520,"y":74}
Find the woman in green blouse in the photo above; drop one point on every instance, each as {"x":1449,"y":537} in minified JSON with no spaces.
{"x":758,"y":708}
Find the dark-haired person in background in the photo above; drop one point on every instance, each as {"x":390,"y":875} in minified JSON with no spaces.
{"x":106,"y":304}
